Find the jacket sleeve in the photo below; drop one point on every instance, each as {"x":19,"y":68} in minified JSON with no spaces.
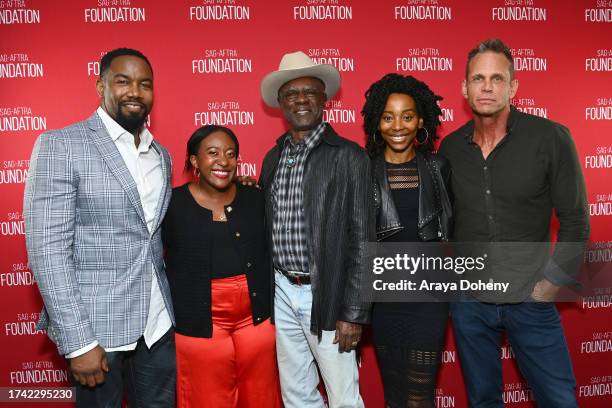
{"x":569,"y":199}
{"x":262,"y":177}
{"x":49,"y":214}
{"x":267,"y":166}
{"x":446,"y":169}
{"x":446,"y":197}
{"x":362,"y":230}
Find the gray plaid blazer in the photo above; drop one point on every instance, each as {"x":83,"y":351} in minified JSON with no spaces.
{"x":88,"y":243}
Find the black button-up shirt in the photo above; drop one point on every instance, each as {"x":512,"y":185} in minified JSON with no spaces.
{"x":510,"y":195}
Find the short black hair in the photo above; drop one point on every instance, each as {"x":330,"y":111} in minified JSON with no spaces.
{"x":193,"y":144}
{"x":491,"y":45}
{"x":376,"y":98}
{"x":107,"y":59}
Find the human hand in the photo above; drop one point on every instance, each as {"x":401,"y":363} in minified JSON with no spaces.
{"x":545,"y":291}
{"x":89,"y":369}
{"x":247,"y":181}
{"x":347,"y":336}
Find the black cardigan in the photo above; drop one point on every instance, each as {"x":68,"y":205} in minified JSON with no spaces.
{"x":186,"y":232}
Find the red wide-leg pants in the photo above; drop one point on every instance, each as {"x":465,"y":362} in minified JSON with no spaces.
{"x":236,"y":368}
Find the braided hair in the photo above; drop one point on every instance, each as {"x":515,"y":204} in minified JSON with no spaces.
{"x":376,"y":98}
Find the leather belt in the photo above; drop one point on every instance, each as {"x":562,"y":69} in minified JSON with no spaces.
{"x":294,"y":278}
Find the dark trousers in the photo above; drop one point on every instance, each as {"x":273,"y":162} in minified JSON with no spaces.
{"x":148,"y":376}
{"x":535,"y":333}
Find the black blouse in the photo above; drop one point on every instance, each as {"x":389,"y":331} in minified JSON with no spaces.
{"x":404,"y":182}
{"x":187,"y":233}
{"x":225,"y":260}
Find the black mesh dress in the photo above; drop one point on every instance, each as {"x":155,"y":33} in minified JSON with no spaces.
{"x":408,"y":336}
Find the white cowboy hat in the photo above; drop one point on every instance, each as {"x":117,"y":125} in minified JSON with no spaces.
{"x":298,"y":65}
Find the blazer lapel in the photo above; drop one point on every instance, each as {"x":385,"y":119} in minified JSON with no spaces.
{"x":167,"y":173}
{"x":111,"y":156}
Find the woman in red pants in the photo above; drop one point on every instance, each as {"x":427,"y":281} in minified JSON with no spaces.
{"x":218,"y":268}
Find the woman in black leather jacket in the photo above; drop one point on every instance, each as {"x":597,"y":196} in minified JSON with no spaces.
{"x":401,"y":116}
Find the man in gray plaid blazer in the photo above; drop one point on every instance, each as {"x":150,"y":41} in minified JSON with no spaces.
{"x":94,"y":200}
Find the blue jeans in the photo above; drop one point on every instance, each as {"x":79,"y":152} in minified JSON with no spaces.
{"x":535,"y":333}
{"x":299,"y":352}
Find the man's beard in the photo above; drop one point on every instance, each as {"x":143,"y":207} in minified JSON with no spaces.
{"x":131,"y":122}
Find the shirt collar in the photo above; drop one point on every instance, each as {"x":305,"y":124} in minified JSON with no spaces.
{"x":115,"y":130}
{"x":513,"y":119}
{"x":311,"y":139}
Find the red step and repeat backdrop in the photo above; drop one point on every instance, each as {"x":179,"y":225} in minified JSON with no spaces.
{"x":209,"y":57}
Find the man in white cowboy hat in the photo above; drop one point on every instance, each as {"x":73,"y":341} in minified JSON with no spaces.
{"x":319,"y":218}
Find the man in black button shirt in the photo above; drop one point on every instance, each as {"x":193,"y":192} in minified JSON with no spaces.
{"x":509,"y":171}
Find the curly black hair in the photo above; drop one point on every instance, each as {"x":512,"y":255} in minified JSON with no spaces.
{"x":376,"y":98}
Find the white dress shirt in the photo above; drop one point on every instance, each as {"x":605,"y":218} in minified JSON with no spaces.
{"x":144,"y":164}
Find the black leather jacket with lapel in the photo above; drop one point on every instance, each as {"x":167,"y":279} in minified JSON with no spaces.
{"x":435,"y":211}
{"x":339,"y":218}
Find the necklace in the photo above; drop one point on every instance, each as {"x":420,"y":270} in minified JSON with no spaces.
{"x":222,"y":217}
{"x":293,"y":152}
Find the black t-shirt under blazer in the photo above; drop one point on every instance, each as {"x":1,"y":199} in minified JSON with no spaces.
{"x":187,"y":237}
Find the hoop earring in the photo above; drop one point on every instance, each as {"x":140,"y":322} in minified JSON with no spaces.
{"x":382,"y":142}
{"x":426,"y":136}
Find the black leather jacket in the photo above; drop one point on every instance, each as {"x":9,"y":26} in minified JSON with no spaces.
{"x":435,"y":211}
{"x":339,"y":219}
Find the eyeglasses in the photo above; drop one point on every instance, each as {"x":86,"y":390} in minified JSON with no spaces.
{"x":293,"y":94}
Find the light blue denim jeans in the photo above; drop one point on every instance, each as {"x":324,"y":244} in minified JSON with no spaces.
{"x":299,"y":352}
